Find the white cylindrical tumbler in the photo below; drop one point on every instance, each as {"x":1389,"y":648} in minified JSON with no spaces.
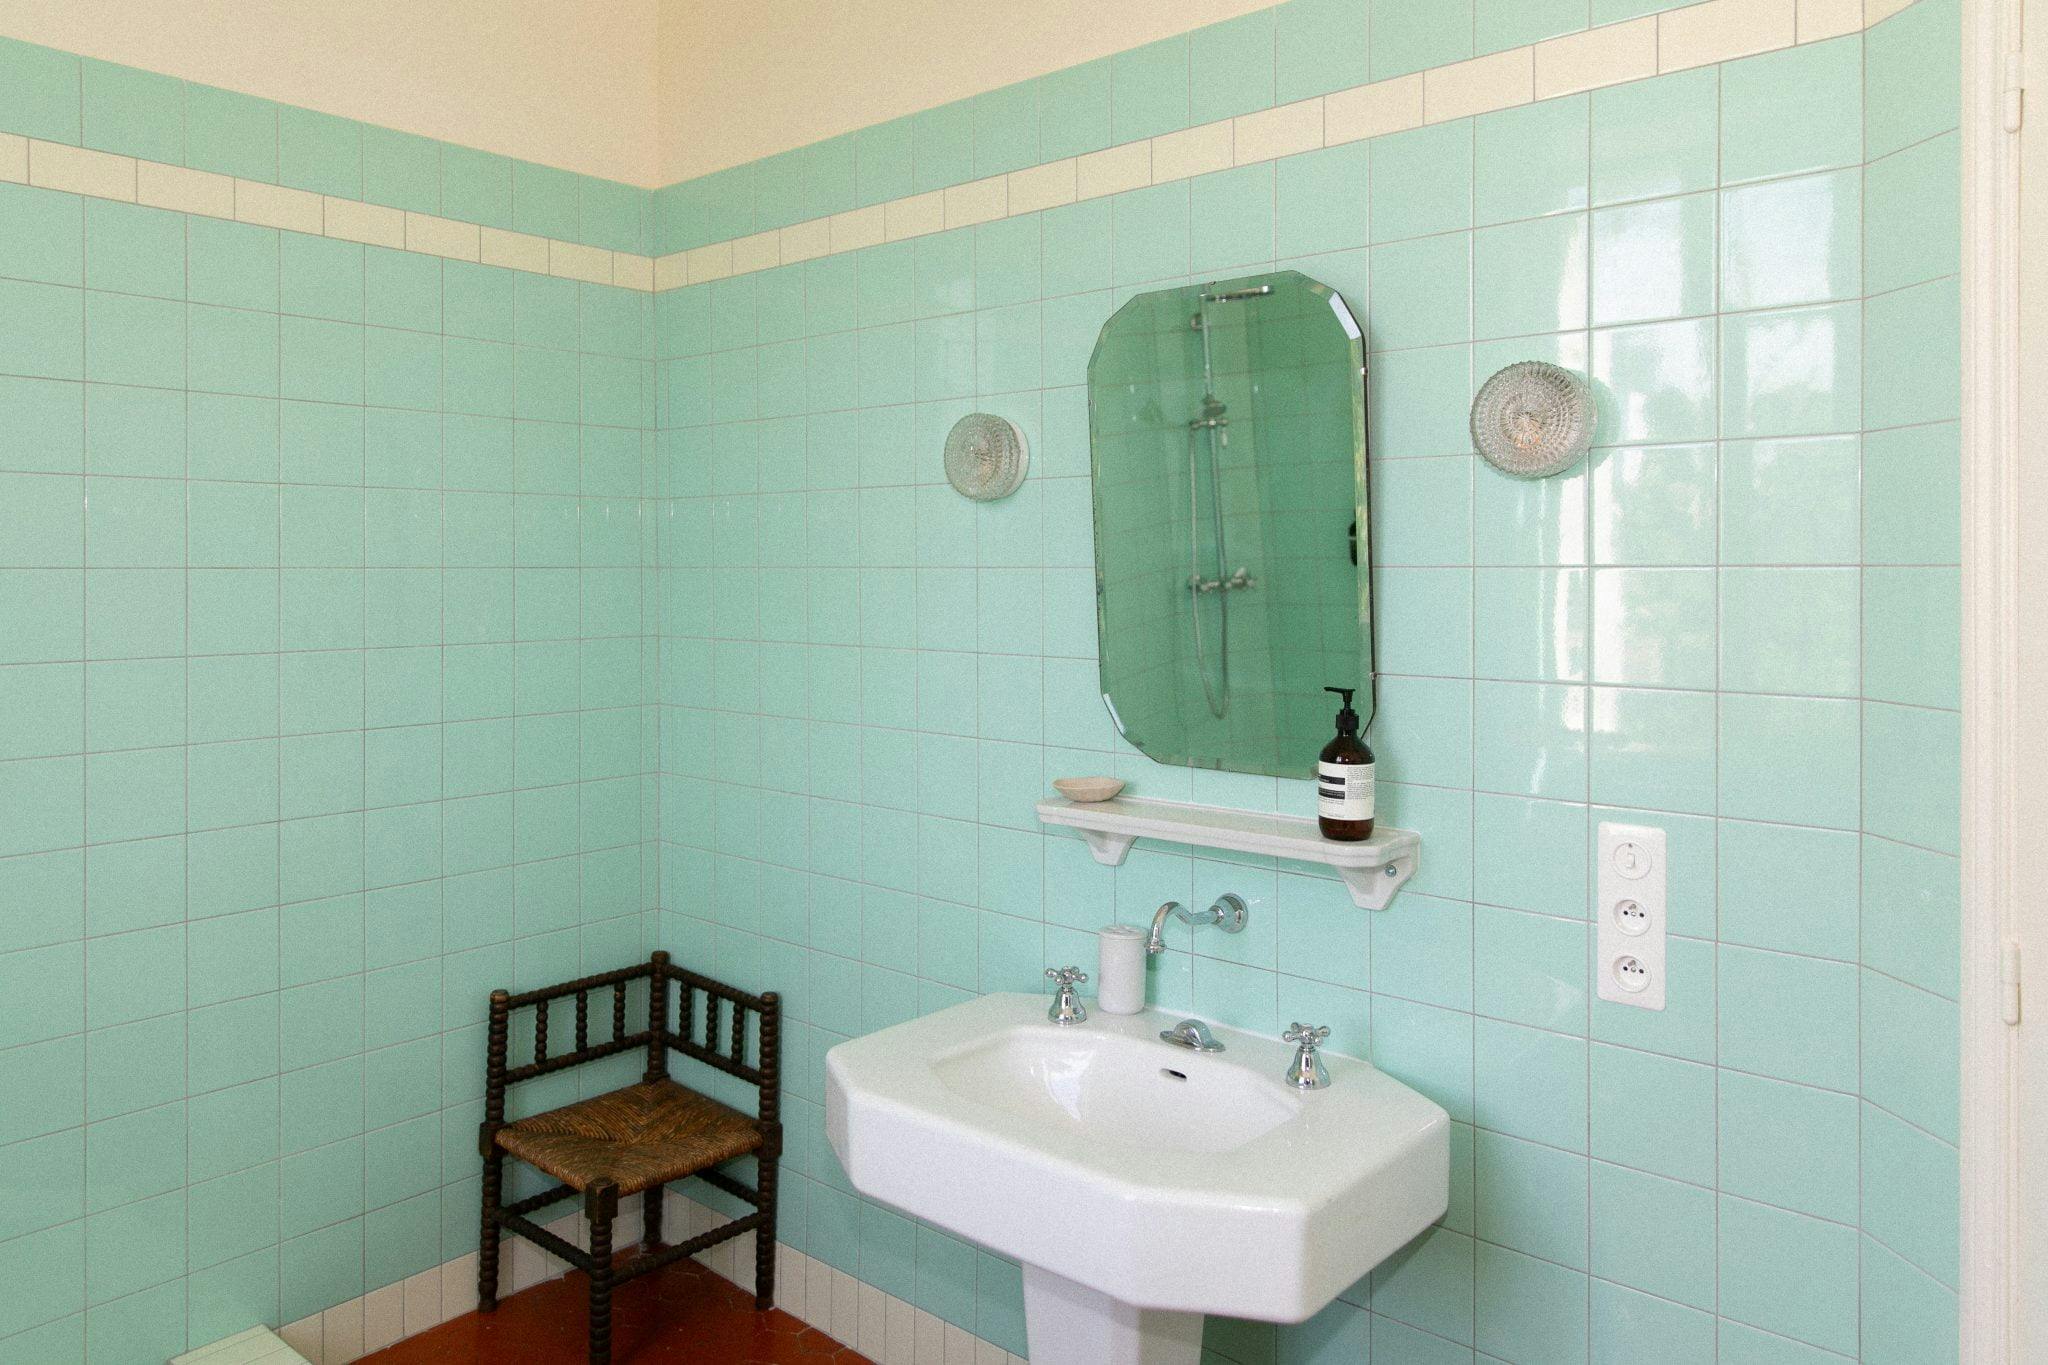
{"x":1120,"y":969}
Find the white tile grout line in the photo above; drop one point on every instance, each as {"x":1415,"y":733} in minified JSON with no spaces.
{"x":880,"y":1326}
{"x":1613,"y":54}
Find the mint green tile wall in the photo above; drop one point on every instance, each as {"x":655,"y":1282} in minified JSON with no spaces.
{"x":59,"y":97}
{"x":1736,"y":621}
{"x":1909,"y":959}
{"x":322,"y":636}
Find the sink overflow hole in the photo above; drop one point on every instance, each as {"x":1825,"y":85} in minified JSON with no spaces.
{"x":1172,"y":1075}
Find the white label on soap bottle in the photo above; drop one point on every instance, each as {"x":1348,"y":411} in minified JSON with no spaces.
{"x":1344,"y":791}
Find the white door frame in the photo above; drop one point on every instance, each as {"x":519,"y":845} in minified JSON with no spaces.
{"x":1992,"y":695}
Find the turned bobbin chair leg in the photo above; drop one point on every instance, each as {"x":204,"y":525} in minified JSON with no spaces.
{"x":601,"y":1205}
{"x":489,"y":1234}
{"x":650,"y":1218}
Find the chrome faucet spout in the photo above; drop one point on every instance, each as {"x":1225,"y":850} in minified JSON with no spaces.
{"x":1155,"y":944}
{"x":1228,"y":913}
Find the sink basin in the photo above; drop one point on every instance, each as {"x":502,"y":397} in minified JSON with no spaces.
{"x":1098,"y":1156}
{"x":1114,"y":1089}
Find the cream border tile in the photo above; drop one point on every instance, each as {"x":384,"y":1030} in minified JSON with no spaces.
{"x":515,"y":250}
{"x":13,"y":158}
{"x":713,"y":262}
{"x":1721,"y":30}
{"x":1193,"y":151}
{"x":857,"y":228}
{"x":78,"y":170}
{"x":1818,"y":19}
{"x":278,"y":207}
{"x":1608,"y":55}
{"x":807,"y":241}
{"x":184,"y":191}
{"x":371,"y":224}
{"x":915,"y":216}
{"x":978,"y":201}
{"x":630,"y":270}
{"x":760,"y":251}
{"x":1283,"y":130}
{"x":1113,"y":170}
{"x":1373,"y":110}
{"x":671,"y":271}
{"x":1876,"y":12}
{"x":570,"y":261}
{"x":434,"y":236}
{"x":1042,"y":187}
{"x":1499,"y":80}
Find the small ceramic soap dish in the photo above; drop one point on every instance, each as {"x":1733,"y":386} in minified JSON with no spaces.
{"x":1088,"y":788}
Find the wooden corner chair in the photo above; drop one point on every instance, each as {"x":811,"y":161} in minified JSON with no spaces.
{"x":637,"y":1139}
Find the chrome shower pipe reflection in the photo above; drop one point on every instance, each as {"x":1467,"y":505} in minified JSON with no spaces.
{"x":1214,"y":420}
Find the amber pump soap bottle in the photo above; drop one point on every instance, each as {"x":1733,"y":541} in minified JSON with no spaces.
{"x":1344,"y":779}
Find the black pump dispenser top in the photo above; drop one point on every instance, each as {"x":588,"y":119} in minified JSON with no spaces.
{"x":1347,"y":719}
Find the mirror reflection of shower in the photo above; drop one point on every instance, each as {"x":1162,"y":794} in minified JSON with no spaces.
{"x":1213,"y":421}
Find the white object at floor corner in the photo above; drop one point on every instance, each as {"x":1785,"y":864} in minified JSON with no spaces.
{"x":1097,"y":1156}
{"x":257,"y":1346}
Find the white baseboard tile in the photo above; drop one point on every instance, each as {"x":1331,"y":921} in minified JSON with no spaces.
{"x":789,"y":1281}
{"x":740,"y":1256}
{"x":931,"y":1339}
{"x":303,"y":1336}
{"x":880,"y":1326}
{"x":874,"y":1322}
{"x":817,"y":1295}
{"x":899,"y":1340}
{"x":458,"y":1286}
{"x":341,"y":1333}
{"x":383,"y":1317}
{"x":423,"y":1307}
{"x":845,"y":1308}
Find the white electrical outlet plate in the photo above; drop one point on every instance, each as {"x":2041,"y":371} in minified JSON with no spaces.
{"x":1629,"y":969}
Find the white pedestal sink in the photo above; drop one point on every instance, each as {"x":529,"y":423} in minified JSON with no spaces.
{"x":1140,"y":1185}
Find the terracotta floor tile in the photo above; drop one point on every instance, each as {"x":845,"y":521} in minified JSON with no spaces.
{"x":681,"y":1315}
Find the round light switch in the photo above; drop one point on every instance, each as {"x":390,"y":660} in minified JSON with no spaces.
{"x":1631,"y":859}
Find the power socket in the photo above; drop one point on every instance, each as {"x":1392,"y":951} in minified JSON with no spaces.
{"x":1630,"y":940}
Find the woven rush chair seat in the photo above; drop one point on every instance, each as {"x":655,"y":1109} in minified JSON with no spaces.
{"x":637,"y":1138}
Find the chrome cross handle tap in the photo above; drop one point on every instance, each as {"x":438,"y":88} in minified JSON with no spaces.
{"x":1307,"y":1071}
{"x":1066,"y":1006}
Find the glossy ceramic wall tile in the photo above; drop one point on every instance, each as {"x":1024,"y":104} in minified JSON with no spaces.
{"x":334,"y":579}
{"x":1736,"y":621}
{"x":322,"y":657}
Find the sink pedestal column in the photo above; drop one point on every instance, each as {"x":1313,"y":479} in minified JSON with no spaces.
{"x":1070,"y":1324}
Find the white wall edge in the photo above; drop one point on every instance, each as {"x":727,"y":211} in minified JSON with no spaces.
{"x":1990,"y":362}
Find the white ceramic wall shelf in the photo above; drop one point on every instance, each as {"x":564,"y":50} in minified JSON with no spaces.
{"x":1373,"y":869}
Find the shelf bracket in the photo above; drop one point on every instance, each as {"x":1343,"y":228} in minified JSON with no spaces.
{"x":1108,"y":848}
{"x":1373,"y":888}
